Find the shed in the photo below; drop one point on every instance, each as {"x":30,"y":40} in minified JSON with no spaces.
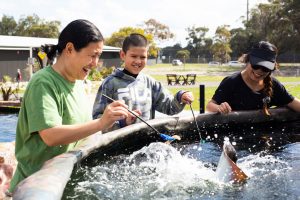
{"x":16,"y":52}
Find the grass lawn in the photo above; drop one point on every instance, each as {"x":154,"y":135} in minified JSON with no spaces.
{"x":209,"y":91}
{"x":159,"y":72}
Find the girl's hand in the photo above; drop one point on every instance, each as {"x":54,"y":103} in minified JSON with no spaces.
{"x":224,"y":108}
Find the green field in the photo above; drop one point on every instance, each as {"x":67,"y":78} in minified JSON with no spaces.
{"x":159,"y":72}
{"x":209,"y":91}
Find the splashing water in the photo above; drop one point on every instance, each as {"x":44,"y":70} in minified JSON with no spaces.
{"x":160,"y":171}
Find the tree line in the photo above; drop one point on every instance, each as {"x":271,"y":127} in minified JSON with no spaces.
{"x":31,"y":26}
{"x":277,"y":22}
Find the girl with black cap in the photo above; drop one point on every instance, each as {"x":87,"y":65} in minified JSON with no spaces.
{"x":254,"y":87}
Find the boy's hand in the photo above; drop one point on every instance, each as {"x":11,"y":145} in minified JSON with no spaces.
{"x":187,"y":98}
{"x":131,"y":118}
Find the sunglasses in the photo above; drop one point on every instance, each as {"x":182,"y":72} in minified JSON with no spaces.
{"x":256,"y":67}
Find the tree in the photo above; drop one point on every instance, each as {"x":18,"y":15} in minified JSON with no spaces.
{"x":7,"y":25}
{"x":183,"y":54}
{"x":291,"y":9}
{"x":270,"y":22}
{"x":31,"y":26}
{"x":290,"y":15}
{"x":221,"y":46}
{"x":170,"y":52}
{"x":35,"y":27}
{"x":198,"y":43}
{"x":239,"y":42}
{"x":159,"y":31}
{"x":117,"y":38}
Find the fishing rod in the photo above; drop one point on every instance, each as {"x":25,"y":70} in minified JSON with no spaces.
{"x":163,"y":136}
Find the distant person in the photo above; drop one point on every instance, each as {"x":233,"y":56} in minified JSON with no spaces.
{"x":140,"y":92}
{"x":18,"y":76}
{"x":254,"y":87}
{"x":54,"y":115}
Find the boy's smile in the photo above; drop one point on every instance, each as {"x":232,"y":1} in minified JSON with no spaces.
{"x":134,"y":59}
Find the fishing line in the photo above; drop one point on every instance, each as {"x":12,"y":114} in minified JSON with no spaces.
{"x":201,"y":140}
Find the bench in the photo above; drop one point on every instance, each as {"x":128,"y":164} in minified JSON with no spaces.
{"x":190,"y":79}
{"x":172,"y":79}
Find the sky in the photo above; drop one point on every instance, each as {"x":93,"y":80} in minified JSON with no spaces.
{"x":111,"y":15}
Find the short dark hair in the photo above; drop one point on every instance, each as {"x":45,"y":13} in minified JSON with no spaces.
{"x":80,"y":32}
{"x":136,"y":40}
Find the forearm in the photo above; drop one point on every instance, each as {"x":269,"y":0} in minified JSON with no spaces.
{"x":212,"y":106}
{"x":66,"y":134}
{"x":295,"y":105}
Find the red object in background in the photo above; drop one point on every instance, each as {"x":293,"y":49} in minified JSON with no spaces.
{"x":19,"y":76}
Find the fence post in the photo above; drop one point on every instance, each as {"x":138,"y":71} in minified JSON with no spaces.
{"x":202,"y":98}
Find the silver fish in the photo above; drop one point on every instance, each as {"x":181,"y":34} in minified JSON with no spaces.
{"x":227,"y":170}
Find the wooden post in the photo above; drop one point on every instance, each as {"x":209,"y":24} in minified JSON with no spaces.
{"x":202,"y":98}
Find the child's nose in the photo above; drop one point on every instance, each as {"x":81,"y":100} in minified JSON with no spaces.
{"x":138,"y":59}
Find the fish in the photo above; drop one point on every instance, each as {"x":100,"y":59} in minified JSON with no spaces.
{"x":227,"y":169}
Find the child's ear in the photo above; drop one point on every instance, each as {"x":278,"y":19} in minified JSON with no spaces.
{"x":122,"y":54}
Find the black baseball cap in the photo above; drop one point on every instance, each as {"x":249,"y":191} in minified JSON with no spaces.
{"x":263,"y":55}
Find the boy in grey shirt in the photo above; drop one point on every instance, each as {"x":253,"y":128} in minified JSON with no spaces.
{"x":140,"y":92}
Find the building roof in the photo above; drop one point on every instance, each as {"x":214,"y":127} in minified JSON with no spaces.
{"x":25,"y":43}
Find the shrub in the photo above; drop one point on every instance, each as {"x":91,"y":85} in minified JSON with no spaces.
{"x":7,"y":87}
{"x":96,"y":75}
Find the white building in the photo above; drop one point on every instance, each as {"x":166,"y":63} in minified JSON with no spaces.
{"x":16,"y":52}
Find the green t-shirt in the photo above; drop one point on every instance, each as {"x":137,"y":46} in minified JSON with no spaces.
{"x":49,"y":101}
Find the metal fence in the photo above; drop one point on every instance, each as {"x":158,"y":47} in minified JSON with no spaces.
{"x":284,"y":58}
{"x":10,"y":67}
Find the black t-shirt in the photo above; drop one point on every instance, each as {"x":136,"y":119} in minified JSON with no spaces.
{"x":239,"y":96}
